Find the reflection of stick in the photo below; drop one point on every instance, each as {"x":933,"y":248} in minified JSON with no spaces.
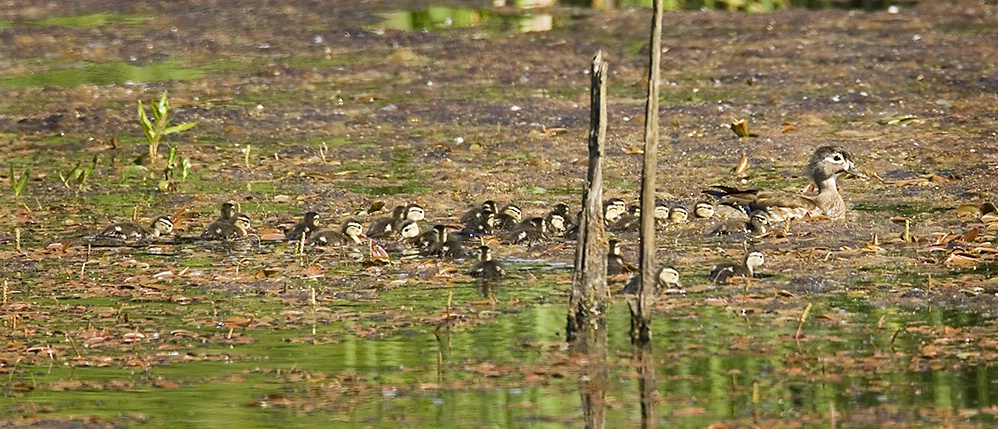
{"x":83,"y":268}
{"x":73,"y":343}
{"x":755,"y":401}
{"x":803,"y":318}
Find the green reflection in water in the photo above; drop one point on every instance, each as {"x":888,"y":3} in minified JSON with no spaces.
{"x":428,"y":380}
{"x":441,"y":17}
{"x":92,"y":20}
{"x":103,"y":74}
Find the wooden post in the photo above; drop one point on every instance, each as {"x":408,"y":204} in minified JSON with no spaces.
{"x":641,"y":309}
{"x":586,"y":328}
{"x":586,"y":318}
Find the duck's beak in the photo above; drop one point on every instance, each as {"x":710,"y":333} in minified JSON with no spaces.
{"x":852,"y":171}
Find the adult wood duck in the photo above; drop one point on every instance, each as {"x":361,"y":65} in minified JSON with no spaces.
{"x":160,"y":225}
{"x":529,"y":231}
{"x":508,"y":217}
{"x":486,"y":268}
{"x":753,"y":259}
{"x":615,"y":262}
{"x":221,"y":230}
{"x":825,"y":165}
{"x":667,"y":278}
{"x":305,"y":228}
{"x":350,"y":233}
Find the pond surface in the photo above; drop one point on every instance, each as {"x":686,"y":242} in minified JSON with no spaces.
{"x":852,"y":323}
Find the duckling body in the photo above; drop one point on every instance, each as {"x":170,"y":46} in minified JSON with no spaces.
{"x":559,"y":221}
{"x":667,"y":278}
{"x":486,"y":268}
{"x":613,"y":209}
{"x":222,"y":230}
{"x":826,"y":163}
{"x":629,"y":221}
{"x":441,"y":244}
{"x":508,"y":217}
{"x":475,"y":215}
{"x":529,"y":231}
{"x":161,"y":225}
{"x":757,"y":224}
{"x":305,"y":228}
{"x":615,"y":262}
{"x":753,"y":260}
{"x":349,"y":234}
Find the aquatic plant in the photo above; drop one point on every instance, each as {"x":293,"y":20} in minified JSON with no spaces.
{"x":18,"y":184}
{"x":79,"y":174}
{"x":174,"y":162}
{"x":159,"y":126}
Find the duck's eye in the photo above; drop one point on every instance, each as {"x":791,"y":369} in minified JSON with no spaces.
{"x":837,"y":158}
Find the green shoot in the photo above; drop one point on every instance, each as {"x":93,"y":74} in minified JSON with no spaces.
{"x":79,"y":174}
{"x":159,"y":125}
{"x":18,"y":184}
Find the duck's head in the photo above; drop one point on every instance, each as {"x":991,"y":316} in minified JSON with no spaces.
{"x":704,"y":210}
{"x":829,"y":161}
{"x":613,"y":209}
{"x":678,"y":214}
{"x":414,"y":212}
{"x":353,"y":229}
{"x":162,"y":225}
{"x":513,"y":212}
{"x":753,"y":260}
{"x":409,"y":230}
{"x":242,"y":222}
{"x":668,"y":276}
{"x":311,"y":219}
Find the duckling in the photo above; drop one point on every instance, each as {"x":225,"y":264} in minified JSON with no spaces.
{"x":678,"y":214}
{"x":825,"y":165}
{"x":629,"y":221}
{"x":486,"y":268}
{"x":704,"y":210}
{"x":661,"y":214}
{"x":409,"y":232}
{"x":753,"y":259}
{"x":350,"y":232}
{"x":441,"y":244}
{"x":226,"y":213}
{"x":667,"y":278}
{"x":386,"y":227}
{"x":615,"y":263}
{"x":529,"y":231}
{"x":220,"y":230}
{"x":161,"y":225}
{"x":508,"y":217}
{"x":305,"y":228}
{"x":479,"y":226}
{"x":757,"y":224}
{"x":475,"y":215}
{"x":613,"y":209}
{"x":558,"y":220}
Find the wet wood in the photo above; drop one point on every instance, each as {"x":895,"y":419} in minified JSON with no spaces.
{"x":641,"y":308}
{"x":587,"y":312}
{"x":648,"y":392}
{"x":586,"y":318}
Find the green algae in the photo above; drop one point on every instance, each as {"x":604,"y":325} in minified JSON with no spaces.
{"x":110,"y":73}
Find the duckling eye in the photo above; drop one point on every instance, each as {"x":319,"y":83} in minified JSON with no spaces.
{"x":837,"y":158}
